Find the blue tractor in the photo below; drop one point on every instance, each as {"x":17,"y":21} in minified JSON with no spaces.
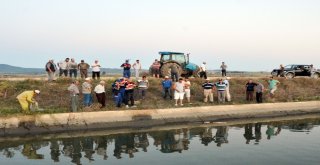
{"x":179,"y":60}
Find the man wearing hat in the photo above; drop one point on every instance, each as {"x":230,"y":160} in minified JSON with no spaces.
{"x":27,"y":98}
{"x":166,"y":86}
{"x":86,"y":91}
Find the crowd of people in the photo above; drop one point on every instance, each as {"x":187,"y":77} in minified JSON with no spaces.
{"x":126,"y":90}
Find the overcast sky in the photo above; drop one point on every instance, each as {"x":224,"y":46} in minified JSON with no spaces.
{"x":251,"y":35}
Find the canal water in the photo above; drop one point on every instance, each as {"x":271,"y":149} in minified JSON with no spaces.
{"x":284,"y":142}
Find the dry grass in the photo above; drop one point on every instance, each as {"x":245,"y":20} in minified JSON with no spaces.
{"x":54,"y":97}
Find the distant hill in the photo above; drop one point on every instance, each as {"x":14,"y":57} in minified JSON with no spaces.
{"x":8,"y":69}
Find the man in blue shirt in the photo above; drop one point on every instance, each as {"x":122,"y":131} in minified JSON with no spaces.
{"x":166,"y":86}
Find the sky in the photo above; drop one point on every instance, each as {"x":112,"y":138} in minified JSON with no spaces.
{"x":249,"y":35}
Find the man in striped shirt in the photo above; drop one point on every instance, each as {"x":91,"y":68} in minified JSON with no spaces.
{"x":221,"y":91}
{"x":208,"y":89}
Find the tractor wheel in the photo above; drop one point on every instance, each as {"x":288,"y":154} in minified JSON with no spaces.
{"x":274,"y":74}
{"x":166,"y":69}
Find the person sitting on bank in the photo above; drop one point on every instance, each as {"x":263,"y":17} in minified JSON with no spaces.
{"x":179,"y":90}
{"x":74,"y":94}
{"x":273,"y":86}
{"x":166,"y":86}
{"x":101,"y":93}
{"x":26,"y":98}
{"x":208,"y":89}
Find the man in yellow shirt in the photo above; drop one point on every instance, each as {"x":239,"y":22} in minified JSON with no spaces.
{"x":26,"y":98}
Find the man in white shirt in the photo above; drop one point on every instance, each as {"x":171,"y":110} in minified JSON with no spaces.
{"x":137,"y":68}
{"x":64,"y":67}
{"x":96,"y":70}
{"x":203,"y":70}
{"x":101,"y":93}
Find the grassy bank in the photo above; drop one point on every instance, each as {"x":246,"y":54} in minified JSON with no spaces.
{"x":54,"y":97}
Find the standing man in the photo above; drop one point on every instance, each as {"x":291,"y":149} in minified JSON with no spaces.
{"x":228,"y":95}
{"x":203,"y":70}
{"x":273,"y":85}
{"x":208,"y":89}
{"x":86,"y":91}
{"x":73,"y":68}
{"x":224,"y":69}
{"x":312,"y":70}
{"x":64,"y":67}
{"x":250,"y":90}
{"x":143,"y":85}
{"x":74,"y":94}
{"x":137,"y":68}
{"x":51,"y":69}
{"x":259,"y":92}
{"x":179,"y":88}
{"x":101,"y":93}
{"x":129,"y":93}
{"x":156,"y":68}
{"x":281,"y":73}
{"x":166,"y":86}
{"x":96,"y":70}
{"x":187,"y":86}
{"x":174,"y":73}
{"x":83,"y":67}
{"x":221,"y":90}
{"x":26,"y":99}
{"x":126,"y":69}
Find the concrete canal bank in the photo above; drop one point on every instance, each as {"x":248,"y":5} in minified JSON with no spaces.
{"x":66,"y":122}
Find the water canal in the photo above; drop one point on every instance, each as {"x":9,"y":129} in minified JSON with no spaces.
{"x":294,"y":142}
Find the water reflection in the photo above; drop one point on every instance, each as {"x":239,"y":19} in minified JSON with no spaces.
{"x":128,"y":145}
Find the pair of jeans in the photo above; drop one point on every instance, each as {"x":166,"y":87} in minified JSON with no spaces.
{"x":224,"y":72}
{"x":259,"y":97}
{"x":73,"y":72}
{"x":167,"y":92}
{"x":175,"y":77}
{"x":96,"y":74}
{"x":63,"y":72}
{"x":129,"y":96}
{"x":87,"y":99}
{"x":249,"y":95}
{"x":126,"y":73}
{"x":74,"y":103}
{"x":203,"y":75}
{"x":101,"y":97}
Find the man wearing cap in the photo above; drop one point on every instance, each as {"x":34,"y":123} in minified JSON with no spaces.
{"x":101,"y":93}
{"x":208,"y":88}
{"x":83,"y":67}
{"x":137,"y":68}
{"x":126,"y":69}
{"x":203,"y":70}
{"x":74,"y":94}
{"x":86,"y":91}
{"x":26,"y":99}
{"x":166,"y":86}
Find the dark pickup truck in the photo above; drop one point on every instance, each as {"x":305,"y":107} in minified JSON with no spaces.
{"x":291,"y":71}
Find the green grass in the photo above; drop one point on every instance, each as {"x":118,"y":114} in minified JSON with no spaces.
{"x":54,"y":97}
